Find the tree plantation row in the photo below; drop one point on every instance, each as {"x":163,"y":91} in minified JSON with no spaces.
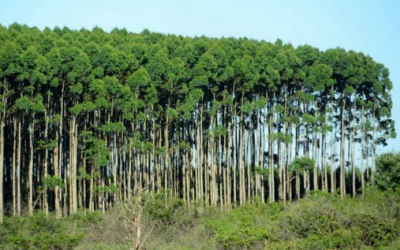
{"x":90,"y":118}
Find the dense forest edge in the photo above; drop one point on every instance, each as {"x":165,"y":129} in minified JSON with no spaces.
{"x":92,"y":119}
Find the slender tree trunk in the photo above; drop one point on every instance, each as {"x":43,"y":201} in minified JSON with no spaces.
{"x":325,"y":178}
{"x":270,"y":156}
{"x":242,"y":197}
{"x":229,"y":166}
{"x":166,"y":163}
{"x":234,"y":166}
{"x":58,"y":196}
{"x":30,"y":168}
{"x":262,"y":146}
{"x":286,"y":150}
{"x":362,"y":150}
{"x":333,"y":184}
{"x":353,"y":167}
{"x":115,"y":164}
{"x":19,"y":160}
{"x":297,"y":151}
{"x":46,"y":159}
{"x":2,"y":125}
{"x":73,"y":164}
{"x":14,"y":180}
{"x":91,"y":190}
{"x":342,"y":153}
{"x":373,"y":146}
{"x":315,"y":156}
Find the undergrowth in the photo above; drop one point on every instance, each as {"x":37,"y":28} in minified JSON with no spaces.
{"x":320,"y":221}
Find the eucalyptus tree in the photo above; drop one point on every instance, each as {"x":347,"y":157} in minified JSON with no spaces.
{"x":80,"y":74}
{"x":9,"y":70}
{"x":319,"y":77}
{"x":32,"y":104}
{"x":304,"y":164}
{"x":246,"y":75}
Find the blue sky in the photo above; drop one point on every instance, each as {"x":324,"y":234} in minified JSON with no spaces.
{"x":369,"y":26}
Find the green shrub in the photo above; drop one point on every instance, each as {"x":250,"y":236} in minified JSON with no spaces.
{"x":84,"y":219}
{"x":160,"y":207}
{"x":39,"y":232}
{"x":242,"y":228}
{"x":309,"y":217}
{"x":102,"y":246}
{"x":339,"y":239}
{"x":388,"y":171}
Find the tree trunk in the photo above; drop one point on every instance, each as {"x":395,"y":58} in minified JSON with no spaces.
{"x":14,"y":168}
{"x":353,"y":167}
{"x":30,"y":168}
{"x":362,"y":151}
{"x":19,"y":160}
{"x":73,"y":164}
{"x":2,"y":125}
{"x":342,"y":153}
{"x":46,"y":160}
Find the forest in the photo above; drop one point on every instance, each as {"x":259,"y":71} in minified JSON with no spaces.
{"x":92,"y":118}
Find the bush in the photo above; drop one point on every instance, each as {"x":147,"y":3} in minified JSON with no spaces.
{"x":323,"y":221}
{"x":338,"y":239}
{"x":242,"y":228}
{"x":388,"y":171}
{"x":85,"y":219}
{"x":39,"y":232}
{"x":160,"y":207}
{"x":311,"y":216}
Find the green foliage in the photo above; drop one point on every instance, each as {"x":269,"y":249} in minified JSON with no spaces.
{"x":320,"y":221}
{"x":95,"y":149}
{"x":113,"y":127}
{"x":240,"y":229}
{"x":110,"y":189}
{"x":30,"y":104}
{"x":261,"y":171}
{"x":281,"y":137}
{"x":303,"y":164}
{"x":139,"y":78}
{"x":53,"y":181}
{"x":103,"y":246}
{"x":308,"y":118}
{"x":220,"y":131}
{"x":339,"y":239}
{"x":388,"y":171}
{"x":50,"y":145}
{"x":160,"y":207}
{"x":83,"y":107}
{"x":83,"y":175}
{"x":39,"y":232}
{"x":84,"y":219}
